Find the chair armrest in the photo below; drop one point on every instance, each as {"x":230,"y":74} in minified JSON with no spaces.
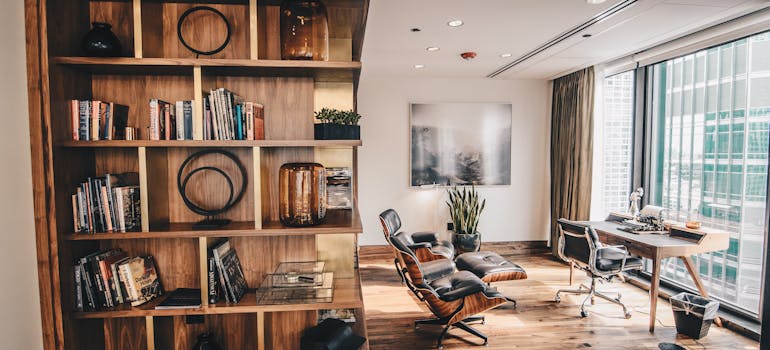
{"x":419,"y":245}
{"x":621,"y":247}
{"x":420,"y":237}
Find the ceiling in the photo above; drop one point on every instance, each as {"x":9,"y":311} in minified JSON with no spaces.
{"x":517,"y":27}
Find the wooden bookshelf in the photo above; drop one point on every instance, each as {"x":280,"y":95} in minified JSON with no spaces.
{"x":155,"y":65}
{"x":209,"y":143}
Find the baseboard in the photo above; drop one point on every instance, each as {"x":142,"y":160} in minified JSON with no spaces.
{"x":502,"y":248}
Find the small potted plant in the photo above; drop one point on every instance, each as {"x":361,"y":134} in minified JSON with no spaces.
{"x":465,"y":211}
{"x":337,"y":125}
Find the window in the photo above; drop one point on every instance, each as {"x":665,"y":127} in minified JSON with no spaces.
{"x":710,"y":128}
{"x":616,"y":133}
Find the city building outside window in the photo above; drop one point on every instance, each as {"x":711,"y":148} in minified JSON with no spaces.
{"x":710,"y":128}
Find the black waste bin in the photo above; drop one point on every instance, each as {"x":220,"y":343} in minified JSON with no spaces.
{"x":693,"y":314}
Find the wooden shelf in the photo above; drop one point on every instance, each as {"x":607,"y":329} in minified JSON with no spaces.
{"x":209,"y":143}
{"x":337,"y":221}
{"x":347,"y":294}
{"x":320,"y":70}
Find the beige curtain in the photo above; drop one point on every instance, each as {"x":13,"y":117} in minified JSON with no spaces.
{"x":571,"y":148}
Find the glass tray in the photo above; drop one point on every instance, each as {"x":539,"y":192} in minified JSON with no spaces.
{"x":301,"y":295}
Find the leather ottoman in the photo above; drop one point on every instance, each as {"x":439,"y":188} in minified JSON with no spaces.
{"x":490,"y":267}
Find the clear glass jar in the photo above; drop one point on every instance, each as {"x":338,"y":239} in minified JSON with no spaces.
{"x":304,"y":30}
{"x":302,"y":194}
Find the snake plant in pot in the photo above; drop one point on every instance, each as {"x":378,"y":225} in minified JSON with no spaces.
{"x":465,"y":210}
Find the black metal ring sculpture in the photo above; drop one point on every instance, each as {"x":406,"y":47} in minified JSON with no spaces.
{"x":231,"y":201}
{"x":202,"y":8}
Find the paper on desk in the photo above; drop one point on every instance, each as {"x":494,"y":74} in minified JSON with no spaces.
{"x":652,"y":210}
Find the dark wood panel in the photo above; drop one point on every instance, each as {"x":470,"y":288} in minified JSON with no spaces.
{"x":229,"y":331}
{"x":269,"y":32}
{"x":284,"y":329}
{"x":125,"y":334}
{"x":203,"y":30}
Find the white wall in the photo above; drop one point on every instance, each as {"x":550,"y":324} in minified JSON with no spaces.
{"x":20,"y":326}
{"x":514,"y":213}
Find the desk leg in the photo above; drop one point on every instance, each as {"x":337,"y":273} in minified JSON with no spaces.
{"x":654,"y":284}
{"x":698,"y":283}
{"x":571,"y":271}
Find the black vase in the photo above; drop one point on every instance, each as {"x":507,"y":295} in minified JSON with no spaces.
{"x":205,"y":342}
{"x":101,"y":41}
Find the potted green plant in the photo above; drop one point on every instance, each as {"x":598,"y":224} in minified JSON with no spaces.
{"x":336,"y":124}
{"x":465,"y":210}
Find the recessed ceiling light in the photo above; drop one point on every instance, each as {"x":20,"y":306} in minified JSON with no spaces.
{"x":595,"y":2}
{"x":432,"y":48}
{"x":455,"y":23}
{"x":505,"y":55}
{"x":419,"y":66}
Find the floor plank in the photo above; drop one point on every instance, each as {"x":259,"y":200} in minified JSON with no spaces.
{"x":537,"y":323}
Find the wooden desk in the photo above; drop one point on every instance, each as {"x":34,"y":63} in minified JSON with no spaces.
{"x":657,"y":247}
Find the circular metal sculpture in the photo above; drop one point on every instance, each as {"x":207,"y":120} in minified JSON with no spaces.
{"x":232,"y":199}
{"x":202,"y":8}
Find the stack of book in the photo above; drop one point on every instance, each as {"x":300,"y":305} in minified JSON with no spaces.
{"x":171,"y":122}
{"x":108,"y":278}
{"x":107,"y":204}
{"x":228,"y":117}
{"x":225,"y":274}
{"x":97,"y":120}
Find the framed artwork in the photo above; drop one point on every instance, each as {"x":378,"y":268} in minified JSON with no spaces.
{"x":460,"y":144}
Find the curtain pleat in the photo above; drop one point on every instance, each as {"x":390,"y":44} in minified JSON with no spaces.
{"x":571,"y":148}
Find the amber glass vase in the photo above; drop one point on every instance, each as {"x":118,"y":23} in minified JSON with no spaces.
{"x":304,"y":30}
{"x":302,"y":194}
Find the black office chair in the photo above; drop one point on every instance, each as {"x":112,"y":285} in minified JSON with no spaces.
{"x":579,"y":245}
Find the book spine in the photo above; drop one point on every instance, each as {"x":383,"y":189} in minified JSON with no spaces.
{"x":100,"y":295}
{"x":179,"y":107}
{"x":105,"y":276}
{"x":106,"y":209}
{"x":109,"y":124}
{"x":249,"y":107}
{"x":78,"y":288}
{"x":95,"y":120}
{"x":154,"y":120}
{"x":87,"y":284}
{"x":87,"y":206}
{"x":167,"y":122}
{"x":110,"y":200}
{"x":119,"y":209}
{"x":222,"y":277}
{"x":82,"y":216}
{"x":115,"y":283}
{"x":125,"y":278}
{"x":96,"y":197}
{"x":259,"y":121}
{"x":75,"y":215}
{"x":188,"y":119}
{"x":83,"y":117}
{"x":75,"y":119}
{"x":102,"y":121}
{"x":213,"y":288}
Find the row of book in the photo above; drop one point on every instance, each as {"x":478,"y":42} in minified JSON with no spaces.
{"x":228,"y":117}
{"x":108,"y":278}
{"x":107,"y":204}
{"x":225,"y":274}
{"x":171,"y":122}
{"x":97,"y":120}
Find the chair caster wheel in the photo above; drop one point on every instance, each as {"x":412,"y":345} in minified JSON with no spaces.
{"x":628,"y":315}
{"x":583,"y":314}
{"x":486,"y":343}
{"x":557,"y":299}
{"x":619,"y":296}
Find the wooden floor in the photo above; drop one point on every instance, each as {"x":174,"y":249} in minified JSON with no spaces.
{"x":537,"y":323}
